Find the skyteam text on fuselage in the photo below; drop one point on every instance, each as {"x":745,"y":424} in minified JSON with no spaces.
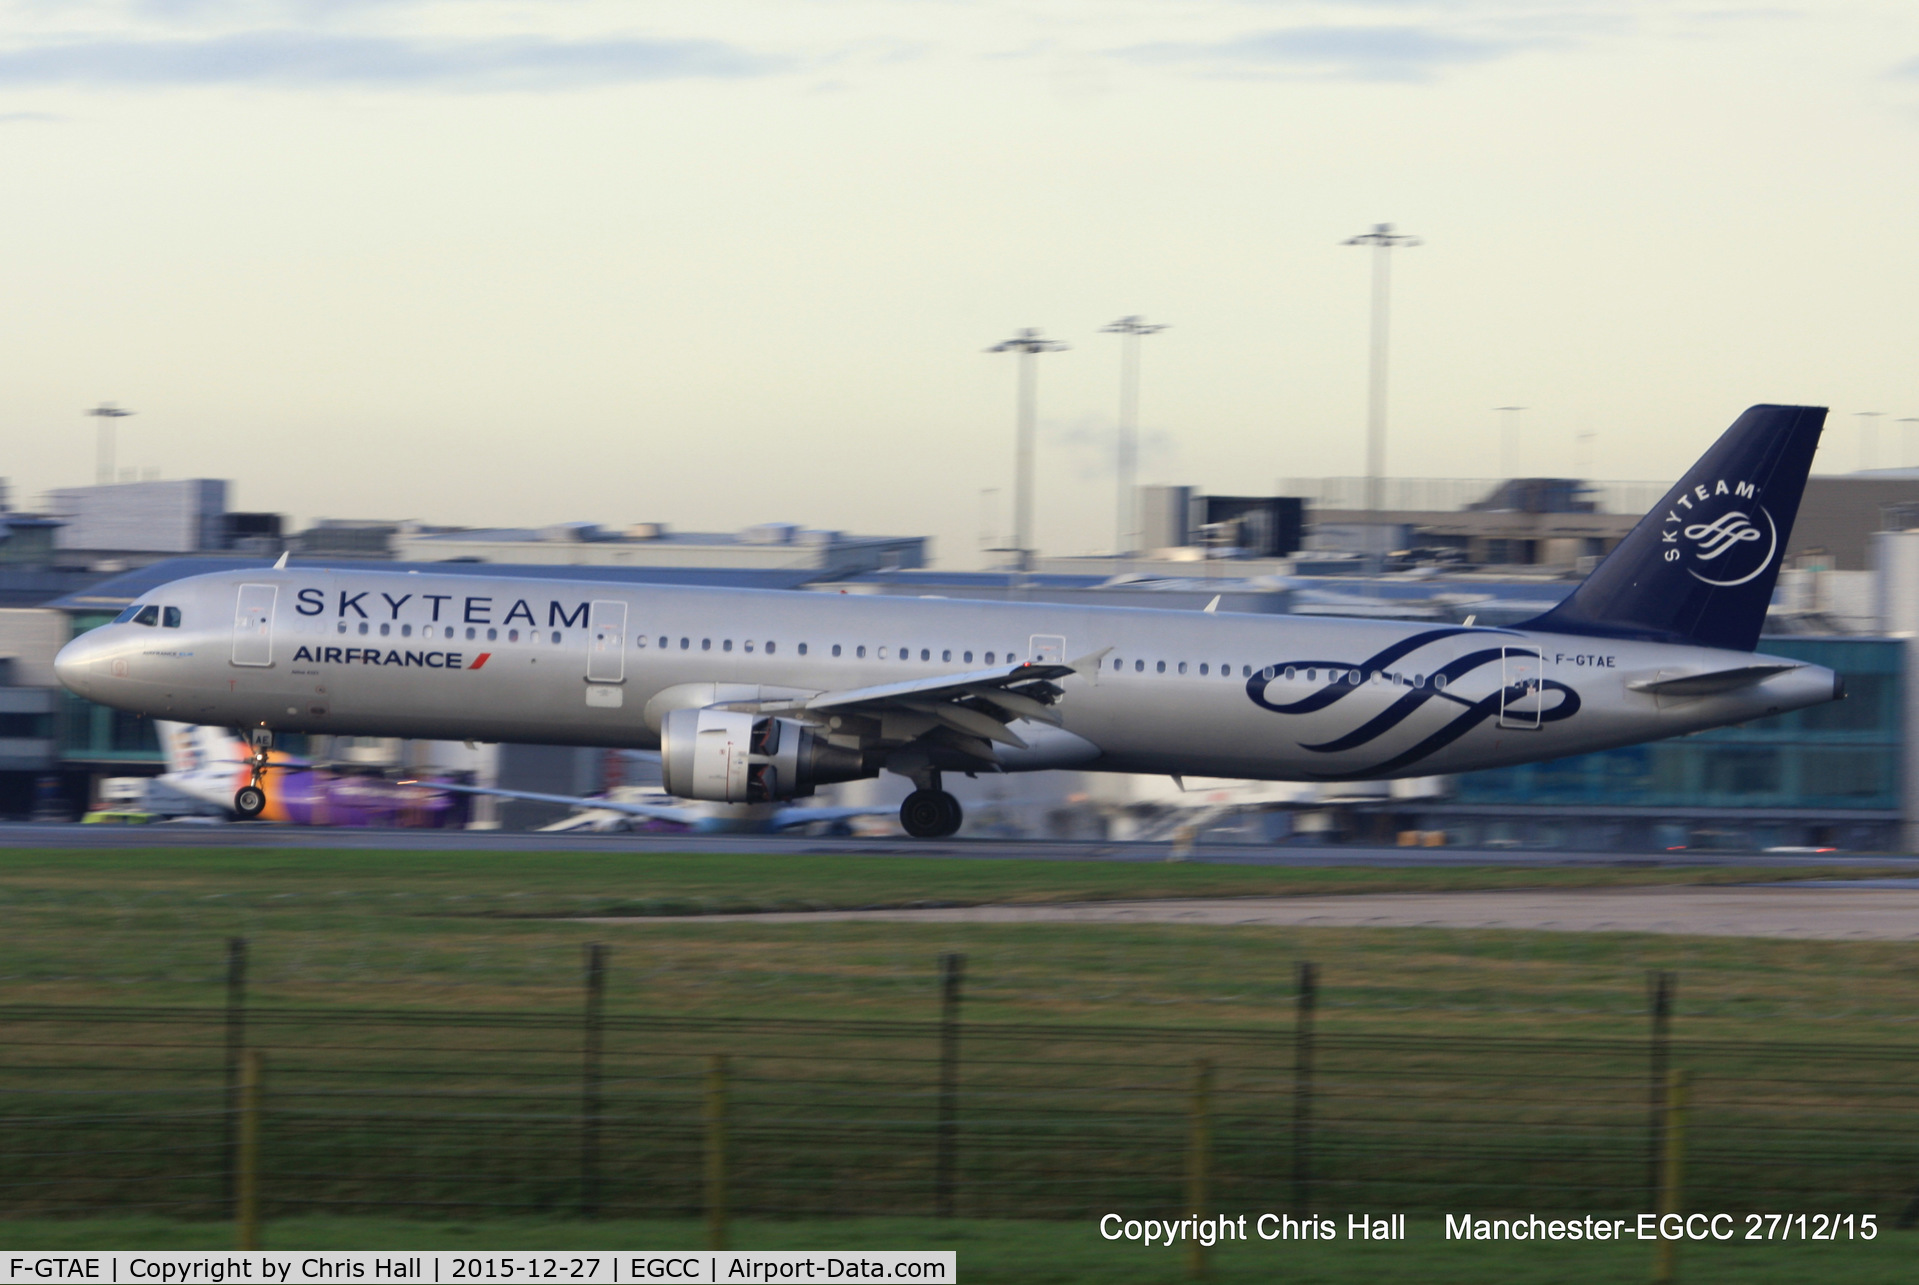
{"x":761,"y":696}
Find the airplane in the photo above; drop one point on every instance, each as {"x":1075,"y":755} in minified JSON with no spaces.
{"x":210,"y":765}
{"x":621,"y":806}
{"x":757,"y":696}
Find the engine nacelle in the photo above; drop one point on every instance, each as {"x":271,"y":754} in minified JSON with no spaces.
{"x":724,"y":756}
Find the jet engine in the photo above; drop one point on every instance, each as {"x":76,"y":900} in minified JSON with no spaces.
{"x":727,"y":757}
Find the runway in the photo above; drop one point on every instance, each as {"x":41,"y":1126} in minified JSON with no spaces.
{"x":309,"y":837}
{"x":1871,"y":911}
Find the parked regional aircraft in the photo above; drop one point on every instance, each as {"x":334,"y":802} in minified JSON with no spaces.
{"x":760,"y":696}
{"x":212,"y":765}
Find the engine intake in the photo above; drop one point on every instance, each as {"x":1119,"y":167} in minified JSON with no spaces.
{"x":724,"y":756}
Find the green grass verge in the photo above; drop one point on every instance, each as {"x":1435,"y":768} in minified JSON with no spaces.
{"x":1032,"y":1253}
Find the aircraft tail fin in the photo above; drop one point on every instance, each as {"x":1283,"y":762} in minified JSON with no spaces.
{"x":188,"y":746}
{"x":1700,"y":567}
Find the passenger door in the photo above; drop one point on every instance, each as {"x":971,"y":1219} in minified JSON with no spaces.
{"x":1048,"y":649}
{"x":253,"y":624}
{"x":1519,"y":693}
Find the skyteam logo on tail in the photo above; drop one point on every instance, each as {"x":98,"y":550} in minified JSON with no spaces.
{"x":1721,"y":533}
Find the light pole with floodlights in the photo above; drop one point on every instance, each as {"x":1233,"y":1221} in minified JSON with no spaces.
{"x":1384,"y":241}
{"x":1028,"y":344}
{"x":106,"y":413}
{"x":1129,"y":329}
{"x":1868,"y":445}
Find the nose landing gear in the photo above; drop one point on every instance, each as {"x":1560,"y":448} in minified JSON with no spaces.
{"x":250,"y":800}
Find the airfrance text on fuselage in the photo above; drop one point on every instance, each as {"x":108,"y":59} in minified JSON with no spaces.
{"x":383,"y":656}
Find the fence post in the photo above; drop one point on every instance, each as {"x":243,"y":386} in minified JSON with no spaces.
{"x":716,"y":1151}
{"x":1671,"y":1194}
{"x":946,"y":1154}
{"x":590,"y":1081}
{"x":247,"y":1211}
{"x":236,"y":1043}
{"x":1303,"y":1090}
{"x":1660,"y":986}
{"x":1199,"y":1162}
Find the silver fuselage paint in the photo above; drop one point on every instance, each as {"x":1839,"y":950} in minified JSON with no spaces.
{"x":1148,"y":709}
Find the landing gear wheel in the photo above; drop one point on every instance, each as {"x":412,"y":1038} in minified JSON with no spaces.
{"x":250,"y":801}
{"x":930,"y":814}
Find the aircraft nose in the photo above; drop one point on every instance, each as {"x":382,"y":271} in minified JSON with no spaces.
{"x":74,"y":664}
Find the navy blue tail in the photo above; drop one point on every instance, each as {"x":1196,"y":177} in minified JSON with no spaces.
{"x":1700,"y":567}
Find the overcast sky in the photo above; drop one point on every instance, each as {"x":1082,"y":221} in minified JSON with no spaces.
{"x":729,"y":262}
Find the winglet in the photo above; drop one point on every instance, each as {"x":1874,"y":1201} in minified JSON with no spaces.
{"x":281,"y":565}
{"x":1212,"y":608}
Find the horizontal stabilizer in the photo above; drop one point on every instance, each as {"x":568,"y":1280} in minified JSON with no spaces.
{"x":1712,"y":683}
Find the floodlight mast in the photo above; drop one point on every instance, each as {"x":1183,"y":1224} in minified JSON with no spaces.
{"x":106,"y":413}
{"x":1129,"y":329}
{"x":1384,"y":241}
{"x":1028,"y":344}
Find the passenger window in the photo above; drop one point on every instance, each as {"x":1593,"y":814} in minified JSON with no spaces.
{"x":836,"y":649}
{"x":556,"y":638}
{"x":664,"y":640}
{"x":802,"y":649}
{"x":1139,"y":667}
{"x":1419,"y":680}
{"x":170,"y":617}
{"x":946,"y":657}
{"x":513,"y":635}
{"x":989,"y":657}
{"x":492,"y":635}
{"x":1182,"y":666}
{"x":906,"y":653}
{"x":727,"y":645}
{"x":925,"y":654}
{"x":406,"y":631}
{"x":966,"y":657}
{"x":147,"y":615}
{"x":1245,"y":671}
{"x":1439,"y":682}
{"x":1267,"y":673}
{"x":1202,"y":669}
{"x":385,"y":630}
{"x":340,"y":628}
{"x":1290,"y":672}
{"x":769,"y":647}
{"x":880,"y":653}
{"x":860,"y":651}
{"x":706,"y":644}
{"x":1160,"y":666}
{"x":685,"y":643}
{"x":469,"y":633}
{"x":639,"y":640}
{"x":1118,"y":664}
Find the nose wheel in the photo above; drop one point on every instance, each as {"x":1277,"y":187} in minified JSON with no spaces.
{"x":931,"y":814}
{"x":250,"y":800}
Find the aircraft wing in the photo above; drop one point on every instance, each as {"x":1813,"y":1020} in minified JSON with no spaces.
{"x":966,"y":710}
{"x":656,"y":811}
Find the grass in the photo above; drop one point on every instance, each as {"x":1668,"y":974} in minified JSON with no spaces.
{"x":398,"y":929}
{"x":1030,"y":1253}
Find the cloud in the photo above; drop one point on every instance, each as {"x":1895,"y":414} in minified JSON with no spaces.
{"x":292,"y":59}
{"x":1376,"y":53}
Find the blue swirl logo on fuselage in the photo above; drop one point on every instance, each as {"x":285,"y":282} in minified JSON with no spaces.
{"x":1346,"y":679}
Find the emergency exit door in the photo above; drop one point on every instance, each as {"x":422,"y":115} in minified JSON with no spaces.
{"x":606,"y":655}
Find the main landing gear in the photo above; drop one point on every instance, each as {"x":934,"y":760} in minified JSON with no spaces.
{"x":930,"y":812}
{"x":251,"y":799}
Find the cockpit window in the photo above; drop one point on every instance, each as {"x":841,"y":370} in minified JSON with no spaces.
{"x":127,"y":615}
{"x":147,"y":615}
{"x":170,"y":617}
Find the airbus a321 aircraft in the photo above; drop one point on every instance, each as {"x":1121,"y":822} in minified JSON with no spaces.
{"x":762,"y":696}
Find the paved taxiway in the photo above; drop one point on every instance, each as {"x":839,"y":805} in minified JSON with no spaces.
{"x":1870,"y":912}
{"x":297,"y":837}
